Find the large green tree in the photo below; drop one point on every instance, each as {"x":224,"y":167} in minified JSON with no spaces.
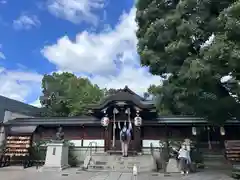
{"x":64,"y":94}
{"x":110,"y":92}
{"x":197,"y":43}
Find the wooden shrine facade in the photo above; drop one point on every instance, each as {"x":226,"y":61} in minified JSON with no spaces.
{"x":105,"y":120}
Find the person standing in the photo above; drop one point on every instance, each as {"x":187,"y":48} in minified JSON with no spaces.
{"x":125,"y":138}
{"x":184,"y":159}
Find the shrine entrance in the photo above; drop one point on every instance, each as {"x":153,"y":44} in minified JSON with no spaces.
{"x":113,"y":144}
{"x":117,"y":144}
{"x":124,"y":106}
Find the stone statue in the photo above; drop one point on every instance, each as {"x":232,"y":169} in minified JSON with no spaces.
{"x":160,"y":157}
{"x":60,"y":134}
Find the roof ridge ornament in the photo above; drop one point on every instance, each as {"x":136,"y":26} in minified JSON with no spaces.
{"x":121,"y":103}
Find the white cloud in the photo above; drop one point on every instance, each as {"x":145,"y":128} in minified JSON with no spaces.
{"x":36,"y":103}
{"x":110,"y":56}
{"x":2,"y":56}
{"x":3,"y":2}
{"x":209,"y":41}
{"x":19,"y":85}
{"x":137,"y":80}
{"x":225,"y":79}
{"x":76,"y":11}
{"x":26,"y":22}
{"x":94,"y":53}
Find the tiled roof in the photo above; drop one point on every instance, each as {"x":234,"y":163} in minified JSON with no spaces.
{"x":54,"y":121}
{"x":7,"y":104}
{"x":124,"y":95}
{"x":91,"y":120}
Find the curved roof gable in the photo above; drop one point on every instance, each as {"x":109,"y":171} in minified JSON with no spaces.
{"x":124,"y":95}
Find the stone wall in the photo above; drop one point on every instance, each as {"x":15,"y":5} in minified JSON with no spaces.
{"x":146,"y":145}
{"x":153,"y":134}
{"x":82,"y":148}
{"x":82,"y":152}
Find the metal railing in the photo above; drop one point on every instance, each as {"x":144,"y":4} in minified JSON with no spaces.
{"x":90,"y":148}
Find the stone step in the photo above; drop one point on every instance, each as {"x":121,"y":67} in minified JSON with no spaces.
{"x":118,"y":167}
{"x":100,"y":163}
{"x":119,"y":152}
{"x":119,"y":163}
{"x":214,"y":158}
{"x":213,"y":155}
{"x":96,"y":167}
{"x":122,"y":170}
{"x":100,"y":154}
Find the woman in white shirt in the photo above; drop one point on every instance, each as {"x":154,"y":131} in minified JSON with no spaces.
{"x":184,"y":159}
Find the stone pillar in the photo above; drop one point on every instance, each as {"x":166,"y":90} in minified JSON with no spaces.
{"x":137,"y":138}
{"x":56,"y":157}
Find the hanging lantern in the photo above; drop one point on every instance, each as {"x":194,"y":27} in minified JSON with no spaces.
{"x":138,"y":121}
{"x":194,"y":131}
{"x":105,"y":121}
{"x":222,"y":131}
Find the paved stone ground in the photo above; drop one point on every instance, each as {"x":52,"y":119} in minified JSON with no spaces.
{"x":17,"y":173}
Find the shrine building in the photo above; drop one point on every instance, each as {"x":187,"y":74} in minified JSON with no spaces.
{"x":101,"y":126}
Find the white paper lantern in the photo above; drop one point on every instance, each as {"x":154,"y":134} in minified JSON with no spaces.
{"x":137,"y":121}
{"x":105,"y":121}
{"x":222,"y":131}
{"x":194,"y":131}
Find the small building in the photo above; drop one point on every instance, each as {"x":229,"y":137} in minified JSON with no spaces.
{"x":11,"y":109}
{"x":101,"y":126}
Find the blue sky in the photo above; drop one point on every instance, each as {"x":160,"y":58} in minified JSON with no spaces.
{"x":93,"y":38}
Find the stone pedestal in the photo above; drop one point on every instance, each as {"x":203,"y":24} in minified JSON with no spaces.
{"x":56,"y":156}
{"x":172,"y":166}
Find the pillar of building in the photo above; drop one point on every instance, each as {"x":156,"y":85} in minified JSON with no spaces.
{"x":2,"y":136}
{"x":7,"y":117}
